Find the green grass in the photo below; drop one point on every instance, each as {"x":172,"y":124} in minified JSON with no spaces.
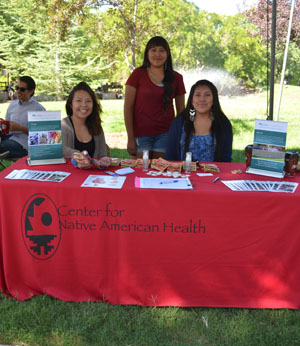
{"x":45,"y":321}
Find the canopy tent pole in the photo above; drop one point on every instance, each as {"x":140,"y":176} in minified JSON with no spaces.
{"x":285,"y":58}
{"x":273,"y":42}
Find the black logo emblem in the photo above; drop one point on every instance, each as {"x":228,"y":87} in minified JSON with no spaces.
{"x":41,"y":226}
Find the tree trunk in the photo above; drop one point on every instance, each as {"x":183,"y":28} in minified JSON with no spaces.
{"x":59,"y":88}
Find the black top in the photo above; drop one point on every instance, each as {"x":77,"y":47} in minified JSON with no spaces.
{"x":89,"y":146}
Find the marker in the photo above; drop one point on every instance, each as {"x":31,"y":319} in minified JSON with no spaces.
{"x":169,"y":182}
{"x":217,"y":178}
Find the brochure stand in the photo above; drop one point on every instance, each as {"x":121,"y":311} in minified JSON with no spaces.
{"x":268,"y":153}
{"x":45,"y":162}
{"x":44,"y":138}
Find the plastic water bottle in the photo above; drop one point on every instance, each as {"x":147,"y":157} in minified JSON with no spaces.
{"x":188,"y":161}
{"x":145,"y":160}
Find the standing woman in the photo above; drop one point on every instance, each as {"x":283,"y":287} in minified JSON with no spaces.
{"x":202,"y":128}
{"x":82,"y":129}
{"x":149,"y":94}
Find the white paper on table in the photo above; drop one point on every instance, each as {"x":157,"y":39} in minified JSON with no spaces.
{"x":104,"y":181}
{"x":164,"y":183}
{"x":204,"y":174}
{"x":15,"y":174}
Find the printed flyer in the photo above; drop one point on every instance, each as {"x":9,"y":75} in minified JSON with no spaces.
{"x":164,"y":183}
{"x":268,"y":148}
{"x":255,"y":185}
{"x":26,"y":174}
{"x":45,"y":138}
{"x":108,"y":182}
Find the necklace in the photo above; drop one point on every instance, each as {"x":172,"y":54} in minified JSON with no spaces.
{"x":154,"y":78}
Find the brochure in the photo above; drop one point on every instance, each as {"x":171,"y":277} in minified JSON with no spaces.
{"x":44,"y":138}
{"x":253,"y":185}
{"x":104,"y":181}
{"x":26,"y":174}
{"x":268,"y":148}
{"x":163,"y":183}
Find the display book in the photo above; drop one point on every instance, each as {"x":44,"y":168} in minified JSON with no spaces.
{"x":268,"y":151}
{"x":44,"y":138}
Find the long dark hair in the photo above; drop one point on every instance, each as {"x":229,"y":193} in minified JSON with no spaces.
{"x":218,"y":118}
{"x":93,"y":121}
{"x":158,"y":41}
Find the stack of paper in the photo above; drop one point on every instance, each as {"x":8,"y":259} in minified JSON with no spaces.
{"x":27,"y":174}
{"x":253,"y":185}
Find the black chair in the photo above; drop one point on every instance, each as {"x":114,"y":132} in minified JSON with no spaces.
{"x":3,"y":156}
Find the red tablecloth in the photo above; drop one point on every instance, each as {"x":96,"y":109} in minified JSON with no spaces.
{"x":209,"y":246}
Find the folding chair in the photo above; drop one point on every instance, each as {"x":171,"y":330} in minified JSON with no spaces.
{"x":3,"y":156}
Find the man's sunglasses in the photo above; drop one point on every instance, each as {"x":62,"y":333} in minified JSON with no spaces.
{"x":21,"y":89}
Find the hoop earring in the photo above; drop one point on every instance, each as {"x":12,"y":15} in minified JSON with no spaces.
{"x":192,"y":113}
{"x":211,"y":116}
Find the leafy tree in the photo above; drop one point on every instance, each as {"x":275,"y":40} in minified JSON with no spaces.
{"x":191,"y":44}
{"x":197,"y":39}
{"x":123,"y":26}
{"x":191,"y":34}
{"x":245,"y":53}
{"x":292,"y":72}
{"x":261,"y":16}
{"x":56,"y":59}
{"x":60,"y":42}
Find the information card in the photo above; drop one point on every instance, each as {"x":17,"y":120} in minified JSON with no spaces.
{"x":44,"y":138}
{"x":268,"y":148}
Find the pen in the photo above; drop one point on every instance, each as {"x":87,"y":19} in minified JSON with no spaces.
{"x":217,"y":178}
{"x":169,"y":182}
{"x":112,"y":173}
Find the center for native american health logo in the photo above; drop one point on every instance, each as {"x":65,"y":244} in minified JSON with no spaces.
{"x":41,"y":227}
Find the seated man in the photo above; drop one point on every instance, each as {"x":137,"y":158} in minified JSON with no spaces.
{"x":16,"y":142}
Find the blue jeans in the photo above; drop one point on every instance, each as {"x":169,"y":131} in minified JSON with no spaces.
{"x":156,"y":143}
{"x":15,"y":149}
